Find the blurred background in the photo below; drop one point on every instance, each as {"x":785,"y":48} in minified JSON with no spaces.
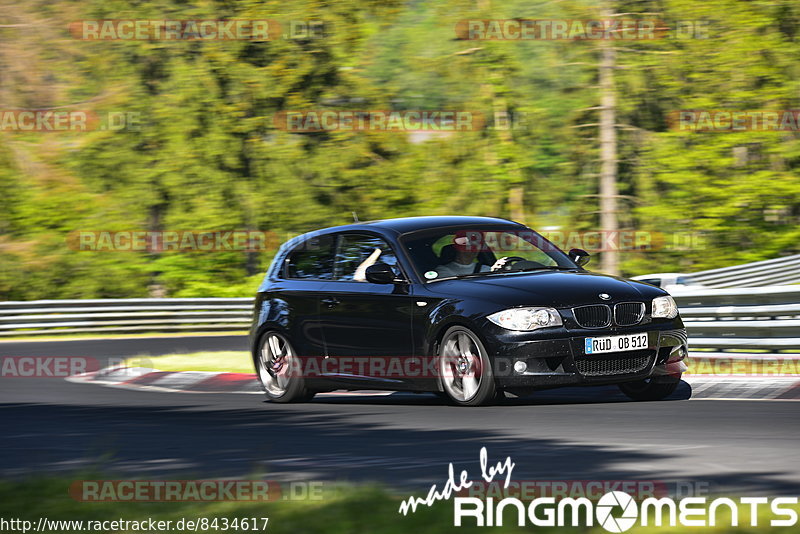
{"x":206,"y":154}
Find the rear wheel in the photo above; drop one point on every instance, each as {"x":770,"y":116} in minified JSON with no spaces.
{"x":650,"y":389}
{"x":464,"y":368}
{"x":278,"y":370}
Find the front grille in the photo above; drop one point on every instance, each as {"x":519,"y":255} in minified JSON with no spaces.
{"x":628,"y":313}
{"x":615,"y":364}
{"x":595,"y":316}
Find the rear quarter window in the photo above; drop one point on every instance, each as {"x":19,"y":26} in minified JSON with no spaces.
{"x":312,"y":259}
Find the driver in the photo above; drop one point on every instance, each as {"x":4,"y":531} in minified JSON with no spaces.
{"x":464,"y":261}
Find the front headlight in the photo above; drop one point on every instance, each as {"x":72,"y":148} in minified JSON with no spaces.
{"x":526,"y":318}
{"x":665,"y":307}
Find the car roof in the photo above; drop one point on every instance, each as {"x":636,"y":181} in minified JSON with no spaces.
{"x":405,"y":225}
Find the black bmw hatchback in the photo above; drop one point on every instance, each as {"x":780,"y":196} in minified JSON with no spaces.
{"x":467,"y":307}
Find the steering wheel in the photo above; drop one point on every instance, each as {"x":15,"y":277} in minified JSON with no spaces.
{"x":510,"y":261}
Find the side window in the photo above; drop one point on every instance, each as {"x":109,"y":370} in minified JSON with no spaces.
{"x":312,"y":259}
{"x":356,"y":252}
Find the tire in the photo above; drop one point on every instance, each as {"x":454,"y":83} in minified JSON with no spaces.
{"x":465,"y":372}
{"x":273,"y":363}
{"x":499,"y":396}
{"x":651,"y":389}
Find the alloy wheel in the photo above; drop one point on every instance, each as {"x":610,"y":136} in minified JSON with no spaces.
{"x":275,"y":362}
{"x":460,"y":365}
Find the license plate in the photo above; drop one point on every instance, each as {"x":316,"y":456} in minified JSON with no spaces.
{"x":600,"y":345}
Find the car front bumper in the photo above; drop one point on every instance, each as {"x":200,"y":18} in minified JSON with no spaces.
{"x":560,"y":360}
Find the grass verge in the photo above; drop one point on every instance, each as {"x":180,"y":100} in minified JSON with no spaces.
{"x":352,"y":510}
{"x":224,"y":361}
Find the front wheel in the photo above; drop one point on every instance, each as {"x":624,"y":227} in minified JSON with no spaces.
{"x":464,"y":368}
{"x":651,"y":389}
{"x":278,"y":371}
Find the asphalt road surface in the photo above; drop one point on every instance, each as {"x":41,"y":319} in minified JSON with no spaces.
{"x":51,"y":426}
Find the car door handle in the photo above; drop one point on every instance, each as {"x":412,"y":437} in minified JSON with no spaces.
{"x":330,"y":302}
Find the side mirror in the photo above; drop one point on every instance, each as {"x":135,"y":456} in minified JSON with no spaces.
{"x":579,"y":256}
{"x":380,"y":273}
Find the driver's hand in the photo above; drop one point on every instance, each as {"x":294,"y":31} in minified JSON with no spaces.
{"x":499,"y":263}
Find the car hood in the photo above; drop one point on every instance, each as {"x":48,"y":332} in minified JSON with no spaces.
{"x":558,"y":289}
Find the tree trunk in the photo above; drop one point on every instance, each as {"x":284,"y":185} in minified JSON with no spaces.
{"x":608,"y":150}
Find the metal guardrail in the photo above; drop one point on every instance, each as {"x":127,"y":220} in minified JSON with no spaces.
{"x":777,"y":271}
{"x":124,"y":315}
{"x":762,"y":319}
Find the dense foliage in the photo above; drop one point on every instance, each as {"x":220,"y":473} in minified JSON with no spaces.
{"x":207,"y":155}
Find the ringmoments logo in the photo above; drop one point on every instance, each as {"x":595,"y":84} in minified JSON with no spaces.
{"x":605,"y":509}
{"x":618,"y":511}
{"x":615,"y":511}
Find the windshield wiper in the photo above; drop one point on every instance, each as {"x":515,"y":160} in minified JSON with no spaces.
{"x":472,"y":275}
{"x":468,"y":275}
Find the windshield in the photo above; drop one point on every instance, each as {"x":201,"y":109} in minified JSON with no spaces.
{"x":448,"y":252}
